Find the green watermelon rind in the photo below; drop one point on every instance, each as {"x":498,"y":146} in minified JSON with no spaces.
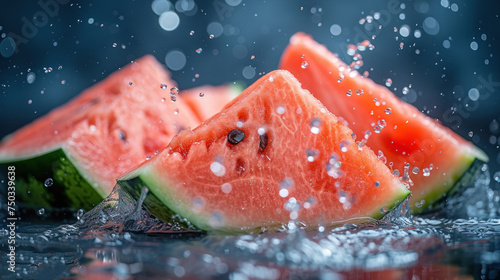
{"x":69,"y":191}
{"x":162,"y":202}
{"x":464,"y":172}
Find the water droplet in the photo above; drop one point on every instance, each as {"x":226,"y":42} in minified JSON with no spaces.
{"x":48,"y":182}
{"x":130,"y":83}
{"x":280,"y":110}
{"x":191,"y":32}
{"x":406,"y":90}
{"x":199,"y":50}
{"x":79,"y":213}
{"x":388,"y":111}
{"x":315,"y":124}
{"x":173,"y":98}
{"x":415,"y":170}
{"x":359,"y":91}
{"x":471,"y":133}
{"x":286,"y":184}
{"x":163,"y":86}
{"x":283,"y":192}
{"x":31,"y":77}
{"x":174,"y":91}
{"x":360,"y":145}
{"x":211,"y":36}
{"x":202,"y":94}
{"x":333,"y":166}
{"x":349,"y":92}
{"x":176,"y":111}
{"x":218,"y":169}
{"x":427,"y":172}
{"x":312,"y":154}
{"x":388,"y":82}
{"x":198,"y":203}
{"x":496,"y":176}
{"x":226,"y":188}
{"x":381,"y":157}
{"x":396,"y":172}
{"x":41,"y":211}
{"x":344,"y":145}
{"x":383,"y":210}
{"x":163,"y":100}
{"x":216,"y":219}
{"x":377,"y":183}
{"x":304,"y":64}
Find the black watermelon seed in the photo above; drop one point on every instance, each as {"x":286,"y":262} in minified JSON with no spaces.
{"x":235,"y":136}
{"x":123,"y":136}
{"x":263,"y":141}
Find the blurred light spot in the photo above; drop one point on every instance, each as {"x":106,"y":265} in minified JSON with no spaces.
{"x":446,"y":44}
{"x":161,"y":6}
{"x":215,"y":28}
{"x":402,"y":16}
{"x":417,"y":33}
{"x":484,"y":37}
{"x":184,"y":5}
{"x":233,"y":3}
{"x":473,"y":94}
{"x":7,"y":47}
{"x":404,"y":30}
{"x":473,"y":45}
{"x":454,"y":7}
{"x":431,"y":26}
{"x":248,"y":72}
{"x":445,"y":3}
{"x":421,"y":7}
{"x":335,"y":30}
{"x":169,"y":21}
{"x":91,"y":20}
{"x":31,"y":77}
{"x":175,"y":60}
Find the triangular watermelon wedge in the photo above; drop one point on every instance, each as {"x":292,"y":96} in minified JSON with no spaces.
{"x":435,"y":156}
{"x":274,"y":154}
{"x":71,"y":157}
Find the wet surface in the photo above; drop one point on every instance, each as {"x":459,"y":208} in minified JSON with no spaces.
{"x":120,"y":240}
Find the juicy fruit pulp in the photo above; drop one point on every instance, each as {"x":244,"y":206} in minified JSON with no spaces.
{"x":273,"y":154}
{"x":83,"y":146}
{"x":428,"y":156}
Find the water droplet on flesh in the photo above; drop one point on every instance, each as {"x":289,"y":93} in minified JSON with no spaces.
{"x":304,"y":64}
{"x":163,"y":86}
{"x":426,"y":172}
{"x":226,"y":188}
{"x":312,"y":154}
{"x":349,"y":92}
{"x":315,"y":124}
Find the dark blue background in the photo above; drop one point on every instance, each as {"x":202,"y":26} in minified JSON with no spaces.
{"x":440,"y":77}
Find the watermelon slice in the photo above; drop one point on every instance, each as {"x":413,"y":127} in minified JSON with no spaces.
{"x":206,"y":101}
{"x":71,"y":157}
{"x":273,"y":154}
{"x":430,"y":157}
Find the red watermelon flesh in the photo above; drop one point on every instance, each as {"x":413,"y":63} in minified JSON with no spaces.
{"x":398,"y":132}
{"x":206,"y":101}
{"x":295,"y":158}
{"x":105,"y":131}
